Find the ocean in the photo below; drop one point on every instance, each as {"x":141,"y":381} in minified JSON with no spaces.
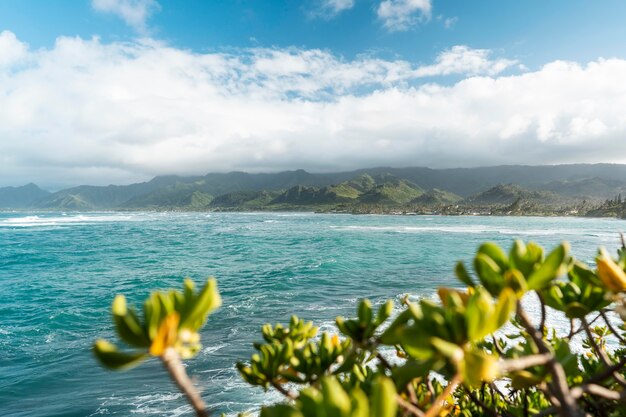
{"x":59,"y":273}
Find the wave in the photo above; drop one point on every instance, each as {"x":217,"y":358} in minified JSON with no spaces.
{"x":472,"y":229}
{"x":64,"y":219}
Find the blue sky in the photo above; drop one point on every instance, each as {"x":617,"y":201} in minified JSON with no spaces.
{"x":535,"y":31}
{"x":115,"y":91}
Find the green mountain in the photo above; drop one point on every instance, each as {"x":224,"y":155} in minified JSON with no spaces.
{"x":312,"y":196}
{"x":391,"y":190}
{"x":587,"y":188}
{"x":364,"y":189}
{"x":21,"y":197}
{"x":88,"y":197}
{"x":246,"y":200}
{"x":179,"y":195}
{"x":615,"y":207}
{"x":437,"y":197}
{"x":374,"y":186}
{"x":507,"y":194}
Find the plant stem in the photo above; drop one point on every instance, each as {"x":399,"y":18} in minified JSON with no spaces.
{"x":441,"y":399}
{"x":611,"y":328}
{"x":283,"y":391}
{"x":410,"y":407}
{"x":524,"y":362}
{"x":567,"y":406}
{"x":177,"y":372}
{"x":606,"y":361}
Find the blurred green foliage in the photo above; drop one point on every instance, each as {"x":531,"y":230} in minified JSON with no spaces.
{"x":473,"y":352}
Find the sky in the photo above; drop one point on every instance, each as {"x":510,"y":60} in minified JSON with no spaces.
{"x":119,"y":91}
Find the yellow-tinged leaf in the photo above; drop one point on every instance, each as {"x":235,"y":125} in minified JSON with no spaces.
{"x":611,"y":275}
{"x":451,"y":294}
{"x":506,"y":304}
{"x":108,"y":355}
{"x":166,"y":335}
{"x":478,"y":367}
{"x":119,"y":305}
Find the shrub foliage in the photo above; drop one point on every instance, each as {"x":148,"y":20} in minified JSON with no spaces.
{"x":475,"y":351}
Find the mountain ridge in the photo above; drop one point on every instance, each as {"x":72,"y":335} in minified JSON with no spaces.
{"x":594,"y":182}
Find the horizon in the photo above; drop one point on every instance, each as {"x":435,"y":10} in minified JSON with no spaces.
{"x":120,"y":91}
{"x":69,"y":186}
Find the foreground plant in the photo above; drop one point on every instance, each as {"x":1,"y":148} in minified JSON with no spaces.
{"x":169,"y":331}
{"x":384,"y":367}
{"x":473,"y":352}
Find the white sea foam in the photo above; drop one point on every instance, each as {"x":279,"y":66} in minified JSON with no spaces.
{"x":66,"y":220}
{"x":465,"y":229}
{"x":214,"y":348}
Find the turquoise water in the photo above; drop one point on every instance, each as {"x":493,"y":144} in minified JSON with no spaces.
{"x":59,"y":273}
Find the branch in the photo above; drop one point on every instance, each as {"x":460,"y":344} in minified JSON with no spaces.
{"x":496,"y":346}
{"x":177,"y":372}
{"x":525,"y":362}
{"x":283,"y":391}
{"x":611,"y":328}
{"x":602,"y":354}
{"x":431,"y":389}
{"x":409,"y":407}
{"x":547,"y":412}
{"x":581,"y":328}
{"x":568,"y":408}
{"x":495,"y":388}
{"x":601,"y":376}
{"x":383,"y":361}
{"x":598,"y":390}
{"x":441,"y":399}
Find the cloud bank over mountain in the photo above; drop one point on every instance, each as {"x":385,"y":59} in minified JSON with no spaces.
{"x":84,"y":111}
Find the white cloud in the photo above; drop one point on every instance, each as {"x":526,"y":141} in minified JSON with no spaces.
{"x":328,"y":9}
{"x":88,"y":112}
{"x":400,"y":15}
{"x":462,"y":59}
{"x":450,"y":22}
{"x":134,"y":12}
{"x":11,"y":49}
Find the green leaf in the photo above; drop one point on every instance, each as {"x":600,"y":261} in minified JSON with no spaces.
{"x":412,"y":369}
{"x":451,"y":351}
{"x":520,"y":258}
{"x":505,"y":306}
{"x":489,"y":273}
{"x":479,"y":308}
{"x":576,"y":310}
{"x":359,"y":404}
{"x":152,"y":315}
{"x":463,"y":275}
{"x":365,"y":311}
{"x":207,"y":300}
{"x":580,"y":273}
{"x":394,"y":333}
{"x":514,"y":279}
{"x":130,"y":330}
{"x":108,"y":355}
{"x":384,"y":312}
{"x":551,"y":268}
{"x":310,"y":402}
{"x":384,"y":394}
{"x":496,"y":253}
{"x":336,"y":402}
{"x":280,"y":410}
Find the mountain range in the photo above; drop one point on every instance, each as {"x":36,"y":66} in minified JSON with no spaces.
{"x":554,"y":185}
